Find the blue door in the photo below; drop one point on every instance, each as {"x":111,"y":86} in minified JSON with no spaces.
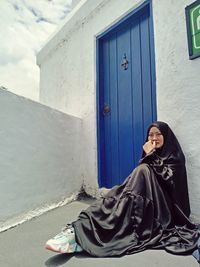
{"x":126,"y":96}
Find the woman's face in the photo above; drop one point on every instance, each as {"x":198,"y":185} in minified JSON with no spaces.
{"x":156,"y":136}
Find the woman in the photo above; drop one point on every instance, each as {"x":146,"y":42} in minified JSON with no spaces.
{"x":149,"y":210}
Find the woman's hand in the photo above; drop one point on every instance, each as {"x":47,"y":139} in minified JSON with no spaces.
{"x":149,"y":146}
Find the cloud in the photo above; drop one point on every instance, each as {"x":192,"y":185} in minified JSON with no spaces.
{"x":25,"y":25}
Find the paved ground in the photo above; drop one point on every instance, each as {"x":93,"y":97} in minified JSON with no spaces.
{"x":23,"y":246}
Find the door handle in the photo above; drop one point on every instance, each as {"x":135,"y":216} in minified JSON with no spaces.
{"x":106,"y":109}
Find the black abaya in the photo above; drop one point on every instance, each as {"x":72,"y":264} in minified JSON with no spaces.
{"x":143,"y":212}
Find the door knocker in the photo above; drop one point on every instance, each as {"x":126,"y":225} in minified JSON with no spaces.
{"x":124,"y":63}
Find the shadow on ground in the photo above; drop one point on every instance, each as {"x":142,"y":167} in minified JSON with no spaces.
{"x":61,"y":259}
{"x":58,"y":260}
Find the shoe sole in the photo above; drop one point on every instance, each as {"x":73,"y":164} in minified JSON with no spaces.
{"x":48,"y":247}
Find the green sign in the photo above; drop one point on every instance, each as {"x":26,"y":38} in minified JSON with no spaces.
{"x":193,"y":28}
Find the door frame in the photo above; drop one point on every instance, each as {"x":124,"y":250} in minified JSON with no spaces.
{"x":99,"y":38}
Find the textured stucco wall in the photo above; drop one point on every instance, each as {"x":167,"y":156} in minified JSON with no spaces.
{"x":178,"y":86}
{"x":75,"y":2}
{"x":68,"y":80}
{"x":39,"y":155}
{"x":68,"y":74}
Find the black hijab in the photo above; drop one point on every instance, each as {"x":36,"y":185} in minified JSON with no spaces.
{"x":171,"y":144}
{"x":171,"y":154}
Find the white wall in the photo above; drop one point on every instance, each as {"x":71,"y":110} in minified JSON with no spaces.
{"x":39,"y":156}
{"x":68,"y":81}
{"x":178,"y":86}
{"x":67,"y":71}
{"x":75,"y":2}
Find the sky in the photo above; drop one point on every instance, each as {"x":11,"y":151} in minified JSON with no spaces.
{"x":25,"y":27}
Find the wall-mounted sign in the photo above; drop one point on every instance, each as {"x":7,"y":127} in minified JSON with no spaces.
{"x":193,"y":29}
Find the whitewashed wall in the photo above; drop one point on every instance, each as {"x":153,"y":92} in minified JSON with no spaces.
{"x":68,"y":81}
{"x":67,"y":71}
{"x":75,"y":2}
{"x":178,"y":86}
{"x":39,"y":157}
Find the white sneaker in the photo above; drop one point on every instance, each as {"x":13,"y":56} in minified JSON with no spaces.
{"x":64,"y":242}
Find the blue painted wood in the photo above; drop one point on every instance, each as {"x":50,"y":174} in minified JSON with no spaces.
{"x":129,"y":94}
{"x":137,"y":106}
{"x":114,"y":164}
{"x":107,"y":118}
{"x":146,"y":70}
{"x":124,"y":104}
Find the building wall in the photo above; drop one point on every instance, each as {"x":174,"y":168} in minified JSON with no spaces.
{"x":39,"y":156}
{"x":178,"y":85}
{"x":68,"y":76}
{"x":75,"y":2}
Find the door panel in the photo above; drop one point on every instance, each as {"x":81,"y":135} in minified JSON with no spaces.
{"x":126,"y":106}
{"x":137,"y":86}
{"x":125,"y":132}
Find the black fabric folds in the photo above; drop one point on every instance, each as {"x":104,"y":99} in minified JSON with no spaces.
{"x":149,"y":210}
{"x":169,"y":164}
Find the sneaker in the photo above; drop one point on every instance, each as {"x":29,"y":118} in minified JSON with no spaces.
{"x":196,"y":253}
{"x":64,"y":242}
